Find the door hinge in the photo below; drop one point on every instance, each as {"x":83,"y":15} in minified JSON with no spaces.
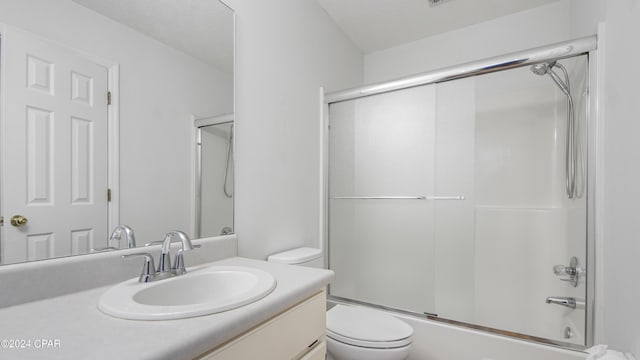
{"x":108,"y":97}
{"x":1,"y":220}
{"x":108,"y":195}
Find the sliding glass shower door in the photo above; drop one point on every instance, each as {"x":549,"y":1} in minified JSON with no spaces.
{"x":381,"y":230}
{"x":450,"y":200}
{"x":392,"y":178}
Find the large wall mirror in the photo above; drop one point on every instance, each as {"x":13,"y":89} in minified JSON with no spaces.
{"x":99,"y":101}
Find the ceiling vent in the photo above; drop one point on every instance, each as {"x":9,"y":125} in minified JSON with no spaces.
{"x":437,"y":2}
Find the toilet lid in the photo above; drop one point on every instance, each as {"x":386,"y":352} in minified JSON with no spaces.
{"x":367,"y":327}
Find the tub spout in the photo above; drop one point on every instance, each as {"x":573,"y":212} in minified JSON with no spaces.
{"x":564,"y":301}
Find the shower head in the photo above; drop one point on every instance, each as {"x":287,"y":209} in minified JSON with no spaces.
{"x":546,"y":68}
{"x":542,"y":68}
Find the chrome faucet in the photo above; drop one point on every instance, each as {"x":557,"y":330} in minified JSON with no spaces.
{"x":116,"y":235}
{"x":164,"y":264}
{"x":569,"y":302}
{"x":119,"y":231}
{"x":165,"y":270}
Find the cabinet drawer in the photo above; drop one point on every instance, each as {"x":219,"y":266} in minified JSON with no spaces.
{"x":317,"y":353}
{"x":287,"y":336}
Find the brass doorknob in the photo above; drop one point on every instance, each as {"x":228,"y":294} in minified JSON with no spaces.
{"x":18,"y":220}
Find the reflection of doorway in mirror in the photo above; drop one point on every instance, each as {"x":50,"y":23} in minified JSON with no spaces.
{"x":55,"y":146}
{"x":215,"y":176}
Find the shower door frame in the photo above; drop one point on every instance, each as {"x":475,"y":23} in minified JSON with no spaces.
{"x":563,"y":50}
{"x":199,"y":123}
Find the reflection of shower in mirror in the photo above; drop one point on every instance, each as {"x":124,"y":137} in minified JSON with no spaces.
{"x":214,"y":175}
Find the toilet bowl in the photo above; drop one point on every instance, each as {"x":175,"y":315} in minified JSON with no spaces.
{"x":358,"y":333}
{"x":355,"y":332}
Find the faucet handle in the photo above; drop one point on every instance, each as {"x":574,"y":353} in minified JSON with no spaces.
{"x":564,"y":270}
{"x":178,"y":264}
{"x":148,"y":272}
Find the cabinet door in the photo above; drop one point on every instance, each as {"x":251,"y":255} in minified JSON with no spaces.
{"x":317,"y":353}
{"x":288,"y":336}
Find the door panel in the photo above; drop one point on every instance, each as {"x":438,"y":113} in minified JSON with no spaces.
{"x":55,"y":148}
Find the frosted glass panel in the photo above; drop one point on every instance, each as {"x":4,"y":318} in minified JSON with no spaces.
{"x":380,"y":146}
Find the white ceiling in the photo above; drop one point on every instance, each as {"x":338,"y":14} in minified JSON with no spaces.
{"x":200,"y":28}
{"x":380,"y":24}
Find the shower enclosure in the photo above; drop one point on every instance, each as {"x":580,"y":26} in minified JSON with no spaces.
{"x":457,"y":199}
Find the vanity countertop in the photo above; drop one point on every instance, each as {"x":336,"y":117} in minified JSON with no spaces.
{"x":71,"y":326}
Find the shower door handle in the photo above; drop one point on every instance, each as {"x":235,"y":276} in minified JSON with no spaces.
{"x":458,"y":197}
{"x":378,"y":197}
{"x":422,"y":197}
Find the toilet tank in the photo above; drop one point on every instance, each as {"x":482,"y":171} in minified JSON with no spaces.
{"x":304,"y":256}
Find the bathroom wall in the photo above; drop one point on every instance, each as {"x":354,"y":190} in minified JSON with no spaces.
{"x":286,"y":50}
{"x":536,"y":27}
{"x":621,"y":111}
{"x":159,"y":87}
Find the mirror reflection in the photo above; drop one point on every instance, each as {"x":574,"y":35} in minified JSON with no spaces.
{"x":97,"y":127}
{"x":215,"y":187}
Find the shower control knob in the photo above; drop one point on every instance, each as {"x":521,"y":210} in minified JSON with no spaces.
{"x":573,"y":271}
{"x":564,"y":270}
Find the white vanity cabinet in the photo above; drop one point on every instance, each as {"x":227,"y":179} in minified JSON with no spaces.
{"x":296,"y":333}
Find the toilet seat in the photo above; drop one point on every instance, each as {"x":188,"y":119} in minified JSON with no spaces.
{"x":363,"y":327}
{"x":369,"y":344}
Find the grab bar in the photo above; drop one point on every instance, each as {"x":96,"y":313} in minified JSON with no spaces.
{"x":459,"y":197}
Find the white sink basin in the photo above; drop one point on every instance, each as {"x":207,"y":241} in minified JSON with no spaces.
{"x":202,"y":291}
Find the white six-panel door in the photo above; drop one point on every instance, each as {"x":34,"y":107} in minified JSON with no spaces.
{"x":54,"y":149}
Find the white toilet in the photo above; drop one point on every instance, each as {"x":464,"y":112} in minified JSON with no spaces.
{"x":355,"y":332}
